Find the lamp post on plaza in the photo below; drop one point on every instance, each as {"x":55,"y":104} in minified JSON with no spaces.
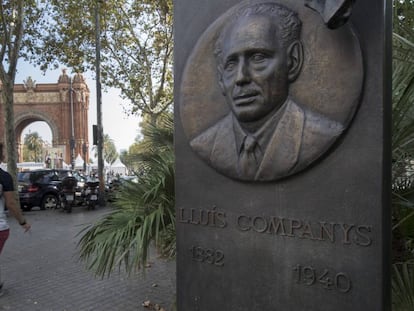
{"x":72,"y":152}
{"x":99,"y":100}
{"x":84,"y":150}
{"x":72,"y":138}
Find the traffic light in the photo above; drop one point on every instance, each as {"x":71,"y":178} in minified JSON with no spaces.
{"x":95,"y":134}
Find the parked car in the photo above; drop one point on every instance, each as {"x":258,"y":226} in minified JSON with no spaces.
{"x":38,"y":188}
{"x":41,"y":187}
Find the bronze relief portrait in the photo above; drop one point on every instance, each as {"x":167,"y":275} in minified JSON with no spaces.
{"x":268,"y":90}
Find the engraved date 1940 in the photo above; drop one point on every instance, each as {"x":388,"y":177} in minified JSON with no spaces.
{"x":207,"y":255}
{"x":309,"y":276}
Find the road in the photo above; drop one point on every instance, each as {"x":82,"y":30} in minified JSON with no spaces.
{"x":41,"y":271}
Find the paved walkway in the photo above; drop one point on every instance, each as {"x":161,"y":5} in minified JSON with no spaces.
{"x":41,"y":270}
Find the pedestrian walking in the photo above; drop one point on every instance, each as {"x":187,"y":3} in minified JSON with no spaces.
{"x":8,"y":200}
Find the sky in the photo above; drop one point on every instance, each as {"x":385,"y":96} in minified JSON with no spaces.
{"x":120,"y":127}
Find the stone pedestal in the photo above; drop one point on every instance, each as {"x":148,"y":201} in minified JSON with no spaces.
{"x":310,"y":232}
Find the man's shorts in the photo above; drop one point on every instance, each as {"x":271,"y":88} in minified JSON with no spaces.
{"x":4,"y":235}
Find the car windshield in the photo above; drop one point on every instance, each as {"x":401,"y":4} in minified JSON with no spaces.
{"x":36,"y":177}
{"x":23,"y":177}
{"x":63,"y":174}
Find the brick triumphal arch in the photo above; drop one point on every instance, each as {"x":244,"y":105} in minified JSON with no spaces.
{"x":63,"y":106}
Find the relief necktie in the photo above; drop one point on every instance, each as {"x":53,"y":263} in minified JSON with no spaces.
{"x":248,"y":161}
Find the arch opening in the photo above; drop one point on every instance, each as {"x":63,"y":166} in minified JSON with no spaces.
{"x":35,"y":141}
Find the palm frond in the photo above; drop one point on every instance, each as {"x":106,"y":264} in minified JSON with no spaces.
{"x":403,"y":143}
{"x":403,"y":286}
{"x":144,"y":214}
{"x":403,"y":115}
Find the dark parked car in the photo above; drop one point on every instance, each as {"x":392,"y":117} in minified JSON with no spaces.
{"x":41,"y":188}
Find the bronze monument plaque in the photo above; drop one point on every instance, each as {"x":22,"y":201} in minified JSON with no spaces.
{"x":281,"y":155}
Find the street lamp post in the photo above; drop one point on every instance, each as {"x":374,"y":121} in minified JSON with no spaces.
{"x":72,"y":152}
{"x":99,"y":100}
{"x":72,"y":127}
{"x":84,"y":149}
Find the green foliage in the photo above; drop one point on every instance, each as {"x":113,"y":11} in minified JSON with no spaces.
{"x":403,"y":16}
{"x":144,"y":213}
{"x":21,"y":33}
{"x":403,"y":286}
{"x":403,"y":136}
{"x":142,"y":68}
{"x":33,"y":147}
{"x":73,"y":25}
{"x":136,"y":47}
{"x":109,"y":150}
{"x":403,"y":121}
{"x":21,"y":25}
{"x":157,"y":135}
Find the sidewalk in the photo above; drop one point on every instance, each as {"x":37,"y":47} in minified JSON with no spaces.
{"x":41,"y":271}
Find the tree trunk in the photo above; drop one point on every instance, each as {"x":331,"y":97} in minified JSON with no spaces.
{"x":8,"y":103}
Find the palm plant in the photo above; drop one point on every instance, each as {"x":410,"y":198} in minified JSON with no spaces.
{"x":403,"y":168}
{"x":109,"y":150}
{"x":403,"y":138}
{"x":144,"y":211}
{"x":33,"y":147}
{"x":403,"y":286}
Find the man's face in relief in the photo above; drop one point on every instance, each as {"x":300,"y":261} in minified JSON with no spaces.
{"x":254,"y":68}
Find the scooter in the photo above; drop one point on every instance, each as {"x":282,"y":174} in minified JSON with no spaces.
{"x":92,"y":194}
{"x":67,"y":195}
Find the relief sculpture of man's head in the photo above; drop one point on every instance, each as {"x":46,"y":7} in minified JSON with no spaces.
{"x":268,"y":133}
{"x":259,"y":54}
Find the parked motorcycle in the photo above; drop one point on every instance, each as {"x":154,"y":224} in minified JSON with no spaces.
{"x":67,"y":195}
{"x":92,"y":194}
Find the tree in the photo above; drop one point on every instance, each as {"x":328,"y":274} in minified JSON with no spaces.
{"x":143,"y":213}
{"x":33,"y":147}
{"x":127,"y":157}
{"x":109,"y":150}
{"x":136,"y":48}
{"x":123,"y":157}
{"x":20,"y":36}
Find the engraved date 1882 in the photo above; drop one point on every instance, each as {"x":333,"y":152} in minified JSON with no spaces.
{"x":207,"y":255}
{"x":309,"y":276}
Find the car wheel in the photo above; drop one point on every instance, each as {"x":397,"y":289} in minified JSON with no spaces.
{"x":50,"y":201}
